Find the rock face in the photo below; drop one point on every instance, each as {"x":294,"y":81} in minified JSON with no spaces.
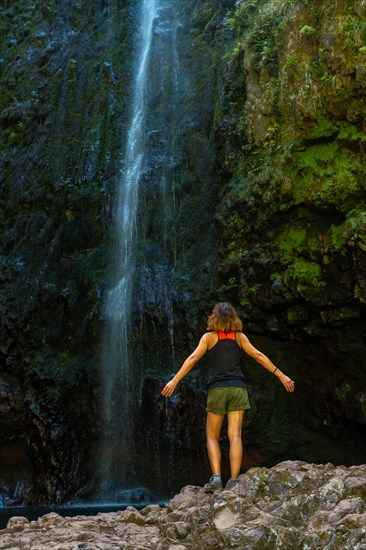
{"x":292,"y":220}
{"x":53,"y":232}
{"x":66,"y":74}
{"x":19,"y":469}
{"x":292,"y":505}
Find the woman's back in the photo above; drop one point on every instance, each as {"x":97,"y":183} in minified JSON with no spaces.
{"x":224,"y":355}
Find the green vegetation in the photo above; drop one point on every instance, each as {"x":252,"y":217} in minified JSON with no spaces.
{"x":355,"y":227}
{"x":292,"y":61}
{"x":305,"y":272}
{"x":307,"y":30}
{"x":326,"y":174}
{"x":350,"y":132}
{"x":296,"y":245}
{"x":293,"y":140}
{"x":256,"y":26}
{"x":231,"y":283}
{"x":291,"y":242}
{"x":351,"y":29}
{"x":337,"y":237}
{"x":323,"y":127}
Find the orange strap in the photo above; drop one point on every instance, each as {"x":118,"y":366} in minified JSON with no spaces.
{"x":226,"y":335}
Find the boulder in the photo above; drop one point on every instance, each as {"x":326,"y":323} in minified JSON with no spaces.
{"x":294,"y":504}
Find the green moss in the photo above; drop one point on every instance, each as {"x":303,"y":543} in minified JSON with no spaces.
{"x":245,"y":302}
{"x":336,"y":189}
{"x":307,"y":30}
{"x":323,"y":128}
{"x":305,"y":272}
{"x":350,"y":132}
{"x":293,"y":244}
{"x":291,"y":241}
{"x":314,"y":155}
{"x":325,"y":174}
{"x":355,"y":227}
{"x":292,"y":61}
{"x":255,"y":289}
{"x":257,"y":25}
{"x":351,"y":30}
{"x":337,"y":237}
{"x":356,"y":216}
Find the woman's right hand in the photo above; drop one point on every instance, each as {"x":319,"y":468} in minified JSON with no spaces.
{"x":287,"y":382}
{"x":169,"y":388}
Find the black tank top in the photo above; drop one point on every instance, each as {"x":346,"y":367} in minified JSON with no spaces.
{"x":224,"y":362}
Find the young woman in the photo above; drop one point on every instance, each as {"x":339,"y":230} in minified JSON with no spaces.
{"x":224,"y":344}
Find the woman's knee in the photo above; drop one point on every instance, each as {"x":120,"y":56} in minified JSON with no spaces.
{"x":213,"y":425}
{"x":234,"y":437}
{"x":212,"y":438}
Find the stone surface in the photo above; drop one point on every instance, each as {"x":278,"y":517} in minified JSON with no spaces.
{"x":292,"y":216}
{"x":66,"y":74}
{"x":292,"y":505}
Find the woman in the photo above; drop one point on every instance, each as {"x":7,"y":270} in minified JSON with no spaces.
{"x":224,"y":344}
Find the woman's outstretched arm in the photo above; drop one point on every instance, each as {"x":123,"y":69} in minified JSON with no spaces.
{"x":186,"y":367}
{"x":265,"y":362}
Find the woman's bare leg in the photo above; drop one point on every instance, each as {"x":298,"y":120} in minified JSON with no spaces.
{"x":213,"y":429}
{"x":235,"y":422}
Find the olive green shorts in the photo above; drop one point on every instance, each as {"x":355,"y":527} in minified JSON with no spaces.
{"x":226,"y":399}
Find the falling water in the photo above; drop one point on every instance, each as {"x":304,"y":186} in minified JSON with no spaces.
{"x":150,"y":254}
{"x":116,"y":361}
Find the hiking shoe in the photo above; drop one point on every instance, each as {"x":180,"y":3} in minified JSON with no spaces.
{"x":231,"y":484}
{"x":213,"y":486}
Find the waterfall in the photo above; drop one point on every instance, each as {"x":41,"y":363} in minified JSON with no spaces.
{"x":117,"y":462}
{"x":145,"y":242}
{"x":158,"y":222}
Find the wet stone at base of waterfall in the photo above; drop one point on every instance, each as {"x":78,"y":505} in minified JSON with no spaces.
{"x":287,"y":506}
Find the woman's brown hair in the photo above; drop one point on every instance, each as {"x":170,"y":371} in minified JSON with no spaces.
{"x":225,"y":318}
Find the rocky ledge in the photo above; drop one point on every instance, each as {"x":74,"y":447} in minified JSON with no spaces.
{"x":294,"y":505}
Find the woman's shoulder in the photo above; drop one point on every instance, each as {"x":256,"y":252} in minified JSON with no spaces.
{"x":210,"y":338}
{"x":242,"y":339}
{"x":209,"y":335}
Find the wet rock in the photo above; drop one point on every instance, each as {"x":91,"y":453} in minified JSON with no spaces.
{"x":15,"y":467}
{"x":11,"y":408}
{"x":47,"y":243}
{"x":292,"y":505}
{"x":67,"y":91}
{"x":292,"y":243}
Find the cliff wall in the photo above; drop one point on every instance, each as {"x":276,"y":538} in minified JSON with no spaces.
{"x":290,"y":122}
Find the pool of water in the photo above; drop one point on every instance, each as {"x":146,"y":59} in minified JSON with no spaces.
{"x":70,"y":510}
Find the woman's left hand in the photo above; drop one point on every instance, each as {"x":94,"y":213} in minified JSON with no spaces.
{"x":287,"y":382}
